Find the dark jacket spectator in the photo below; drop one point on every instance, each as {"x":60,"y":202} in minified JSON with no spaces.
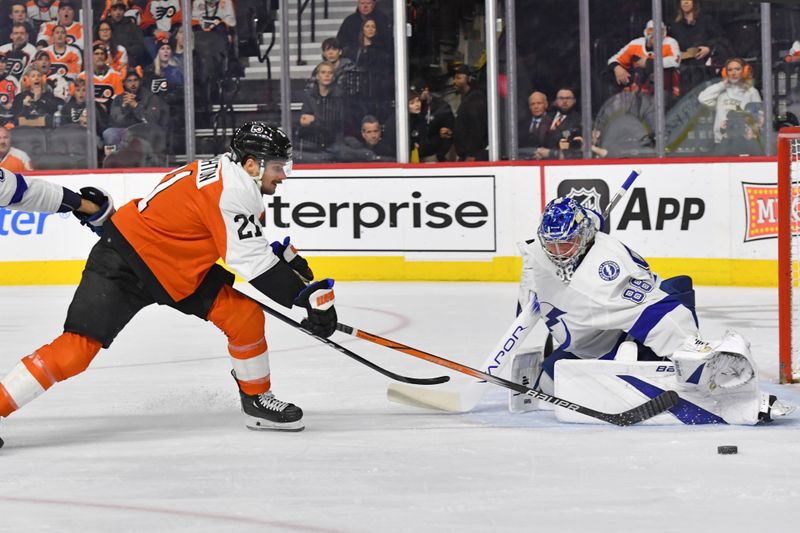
{"x":126,"y":33}
{"x":350,"y":29}
{"x":701,"y":40}
{"x":37,"y":105}
{"x":563,"y":139}
{"x":471,"y":132}
{"x":136,"y":105}
{"x":322,"y":115}
{"x":370,"y":145}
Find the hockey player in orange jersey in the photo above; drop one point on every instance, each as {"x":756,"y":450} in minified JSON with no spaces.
{"x":163,"y":249}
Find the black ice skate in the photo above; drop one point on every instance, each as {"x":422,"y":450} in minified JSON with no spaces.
{"x":264,"y":411}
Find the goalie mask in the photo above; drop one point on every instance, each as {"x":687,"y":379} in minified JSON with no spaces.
{"x":263,"y":143}
{"x":566,"y":233}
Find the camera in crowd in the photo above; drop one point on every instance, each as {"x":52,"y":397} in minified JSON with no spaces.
{"x":573,"y":137}
{"x":737,"y":123}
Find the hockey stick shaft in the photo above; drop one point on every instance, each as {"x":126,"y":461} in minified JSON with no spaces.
{"x":620,"y":193}
{"x":470,"y":394}
{"x":652,"y":407}
{"x":389,"y":374}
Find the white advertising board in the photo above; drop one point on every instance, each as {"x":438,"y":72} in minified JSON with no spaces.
{"x":710,"y":210}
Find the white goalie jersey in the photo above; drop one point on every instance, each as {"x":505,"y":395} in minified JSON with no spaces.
{"x":26,"y":194}
{"x":612,"y":295}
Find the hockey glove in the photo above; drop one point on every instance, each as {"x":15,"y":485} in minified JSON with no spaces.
{"x":103,"y":201}
{"x":317,"y":298}
{"x":286,"y":251}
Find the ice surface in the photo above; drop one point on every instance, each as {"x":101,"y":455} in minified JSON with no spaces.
{"x":150,"y":437}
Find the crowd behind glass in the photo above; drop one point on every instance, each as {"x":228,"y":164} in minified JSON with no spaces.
{"x":345,"y":109}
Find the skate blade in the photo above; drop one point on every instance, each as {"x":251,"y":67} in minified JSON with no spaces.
{"x":258,"y":424}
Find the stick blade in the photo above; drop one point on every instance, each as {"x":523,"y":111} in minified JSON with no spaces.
{"x":453,"y":401}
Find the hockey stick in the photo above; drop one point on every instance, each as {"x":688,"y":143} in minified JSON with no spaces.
{"x":389,"y":374}
{"x":468,"y":397}
{"x":618,"y":196}
{"x":649,"y":409}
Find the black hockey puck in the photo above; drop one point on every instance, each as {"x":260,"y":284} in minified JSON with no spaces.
{"x":727,"y":450}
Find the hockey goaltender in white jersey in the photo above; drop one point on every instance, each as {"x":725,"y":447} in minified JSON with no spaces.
{"x":625,"y":335}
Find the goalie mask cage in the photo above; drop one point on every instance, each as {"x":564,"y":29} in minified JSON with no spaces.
{"x":789,"y":254}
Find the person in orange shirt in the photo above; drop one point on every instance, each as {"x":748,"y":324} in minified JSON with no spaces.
{"x":12,"y":159}
{"x":633,"y":64}
{"x":65,"y":59}
{"x":164,"y":249}
{"x":107,"y":81}
{"x":66,"y":18}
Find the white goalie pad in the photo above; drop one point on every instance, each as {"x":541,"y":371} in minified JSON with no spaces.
{"x":616,"y":386}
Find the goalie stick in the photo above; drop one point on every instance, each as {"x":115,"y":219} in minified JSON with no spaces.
{"x":648,"y":409}
{"x":389,"y":374}
{"x":468,"y":397}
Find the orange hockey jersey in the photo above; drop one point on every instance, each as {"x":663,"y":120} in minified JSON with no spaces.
{"x":67,"y":63}
{"x":74,"y":33}
{"x":106,"y":86}
{"x":197,"y":214}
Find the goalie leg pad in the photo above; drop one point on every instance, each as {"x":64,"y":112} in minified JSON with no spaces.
{"x":525,"y":370}
{"x":616,"y":386}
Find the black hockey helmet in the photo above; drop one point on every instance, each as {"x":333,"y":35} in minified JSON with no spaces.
{"x":262,"y":142}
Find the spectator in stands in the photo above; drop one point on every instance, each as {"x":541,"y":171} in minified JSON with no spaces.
{"x":36,"y":105}
{"x":332,"y":53}
{"x":633,"y":64}
{"x":322,"y":115}
{"x":126,"y":32}
{"x":117,"y":55}
{"x":41,"y":11}
{"x":370,"y":146}
{"x":471,"y":132}
{"x":59,"y":85}
{"x":19,"y":52}
{"x":178,"y":48}
{"x":19,"y":13}
{"x":107,"y":81}
{"x":729,"y":97}
{"x":439,"y":120}
{"x":164,"y":77}
{"x":350,"y":30}
{"x":11,"y":158}
{"x":65,"y":59}
{"x":74,"y":111}
{"x":417,"y":128}
{"x":159,"y":16}
{"x":214,"y":25}
{"x":699,"y":36}
{"x":9,"y":87}
{"x":563,"y":139}
{"x":373,"y":57}
{"x":66,"y":18}
{"x":132,"y":107}
{"x":533,"y":129}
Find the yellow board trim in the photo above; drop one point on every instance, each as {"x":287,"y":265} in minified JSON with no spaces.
{"x":736,"y":272}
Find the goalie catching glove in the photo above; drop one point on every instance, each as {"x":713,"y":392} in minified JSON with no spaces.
{"x":286,"y":251}
{"x":726,"y":364}
{"x":317,"y":298}
{"x":103,"y":201}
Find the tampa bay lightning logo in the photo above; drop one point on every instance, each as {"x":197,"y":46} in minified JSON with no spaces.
{"x":2,"y":175}
{"x":609,"y":270}
{"x":556,"y":325}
